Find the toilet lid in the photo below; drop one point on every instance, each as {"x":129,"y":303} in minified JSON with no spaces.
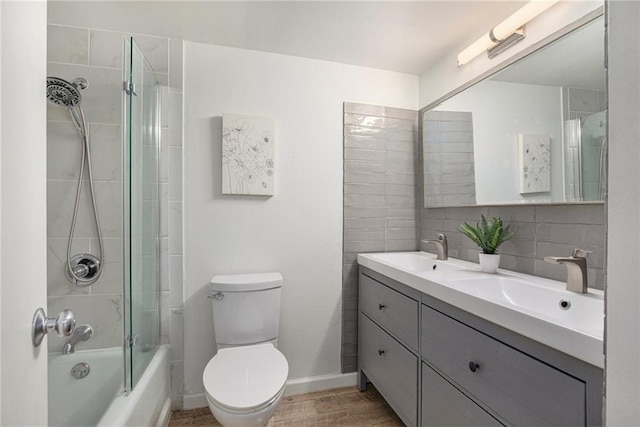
{"x":242,"y":378}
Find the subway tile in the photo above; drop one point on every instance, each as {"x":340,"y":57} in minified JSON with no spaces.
{"x":363,"y":223}
{"x":175,"y":173}
{"x":359,"y":212}
{"x":401,"y":113}
{"x":175,"y":64}
{"x":364,"y":178}
{"x":163,"y":173}
{"x":106,"y":49}
{"x":364,"y":200}
{"x":401,"y":234}
{"x":513,"y":213}
{"x":165,"y":279}
{"x":400,"y":213}
{"x":400,"y":190}
{"x":366,"y":155}
{"x":164,"y":209}
{"x":571,"y":214}
{"x":403,"y":146}
{"x":399,"y":178}
{"x":363,"y":143}
{"x":156,"y":50}
{"x":64,"y":151}
{"x":175,"y":228}
{"x":400,"y":245}
{"x":379,"y":122}
{"x":363,"y":235}
{"x":401,"y":223}
{"x":518,"y":248}
{"x":176,"y":320}
{"x":364,"y":189}
{"x":106,"y":152}
{"x":67,"y":44}
{"x":575,"y":234}
{"x":369,"y":110}
{"x":176,"y":281}
{"x":353,"y":166}
{"x":368,"y":246}
{"x":400,"y":201}
{"x":175,"y":110}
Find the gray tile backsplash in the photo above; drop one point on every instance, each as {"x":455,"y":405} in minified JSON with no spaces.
{"x":382,"y":187}
{"x":379,"y":198}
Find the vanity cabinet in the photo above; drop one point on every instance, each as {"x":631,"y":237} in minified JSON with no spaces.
{"x":436,"y":364}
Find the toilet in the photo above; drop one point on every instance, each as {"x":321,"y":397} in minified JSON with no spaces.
{"x":245,"y":381}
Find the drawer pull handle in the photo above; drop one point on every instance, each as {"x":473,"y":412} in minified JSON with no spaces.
{"x":473,"y":366}
{"x":381,"y":306}
{"x":380,"y":352}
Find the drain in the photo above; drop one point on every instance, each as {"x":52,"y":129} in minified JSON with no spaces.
{"x":564,"y":304}
{"x":80,"y":370}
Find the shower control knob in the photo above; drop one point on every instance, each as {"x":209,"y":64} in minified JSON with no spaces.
{"x":63,"y":325}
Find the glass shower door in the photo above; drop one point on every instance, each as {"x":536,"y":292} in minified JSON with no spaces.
{"x":141,"y":212}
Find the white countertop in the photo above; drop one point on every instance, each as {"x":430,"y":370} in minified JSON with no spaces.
{"x":525,"y":304}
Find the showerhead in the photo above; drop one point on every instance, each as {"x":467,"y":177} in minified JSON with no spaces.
{"x":63,"y":93}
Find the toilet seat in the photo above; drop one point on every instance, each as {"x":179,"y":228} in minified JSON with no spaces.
{"x":245,"y":379}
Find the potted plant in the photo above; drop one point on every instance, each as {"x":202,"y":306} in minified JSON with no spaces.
{"x":488,"y":235}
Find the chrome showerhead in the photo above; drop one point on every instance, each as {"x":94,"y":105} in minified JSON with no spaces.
{"x":63,"y":93}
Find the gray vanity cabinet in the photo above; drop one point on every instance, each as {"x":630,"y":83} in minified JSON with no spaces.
{"x":521,"y":389}
{"x":444,"y":405}
{"x":388,"y":344}
{"x":436,"y":365}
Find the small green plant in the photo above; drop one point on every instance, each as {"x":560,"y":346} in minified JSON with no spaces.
{"x":488,"y":234}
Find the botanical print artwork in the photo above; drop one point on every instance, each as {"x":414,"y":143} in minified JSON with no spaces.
{"x":534,"y":161}
{"x":247,"y":155}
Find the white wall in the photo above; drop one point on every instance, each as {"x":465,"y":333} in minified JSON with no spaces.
{"x":299,"y":230}
{"x":501,"y":111}
{"x":23,"y":215}
{"x":445,"y":76}
{"x":623,"y":276}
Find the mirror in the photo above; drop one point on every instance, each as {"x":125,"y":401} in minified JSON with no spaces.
{"x":534,"y":132}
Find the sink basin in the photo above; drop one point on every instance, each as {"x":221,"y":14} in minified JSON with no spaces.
{"x":414,"y":261}
{"x":583,"y":312}
{"x":537,"y":308}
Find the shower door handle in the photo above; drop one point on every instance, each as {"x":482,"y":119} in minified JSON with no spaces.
{"x":63,"y":324}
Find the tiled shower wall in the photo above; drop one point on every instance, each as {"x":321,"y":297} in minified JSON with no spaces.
{"x":379,"y":198}
{"x":98,"y":56}
{"x":551,"y":230}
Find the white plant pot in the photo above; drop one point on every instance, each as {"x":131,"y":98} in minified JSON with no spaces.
{"x":489,"y":262}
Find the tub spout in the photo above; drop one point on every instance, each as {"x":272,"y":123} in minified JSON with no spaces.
{"x":82,"y":333}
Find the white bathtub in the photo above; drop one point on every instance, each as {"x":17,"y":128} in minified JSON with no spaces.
{"x":97,"y":399}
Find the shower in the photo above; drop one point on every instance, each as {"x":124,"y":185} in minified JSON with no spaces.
{"x":82,"y":269}
{"x":585,"y":152}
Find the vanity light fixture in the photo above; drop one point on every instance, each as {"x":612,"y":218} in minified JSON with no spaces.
{"x":506,"y":33}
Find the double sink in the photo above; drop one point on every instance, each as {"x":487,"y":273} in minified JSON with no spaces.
{"x":537,"y":308}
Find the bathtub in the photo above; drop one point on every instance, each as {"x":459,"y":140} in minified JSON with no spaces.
{"x":97,"y":399}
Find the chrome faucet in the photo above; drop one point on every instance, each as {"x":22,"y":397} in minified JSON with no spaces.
{"x":443,"y":246}
{"x":82,"y":333}
{"x":576,"y":269}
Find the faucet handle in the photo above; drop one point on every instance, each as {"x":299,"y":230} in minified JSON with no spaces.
{"x":580,"y":253}
{"x":442,"y":237}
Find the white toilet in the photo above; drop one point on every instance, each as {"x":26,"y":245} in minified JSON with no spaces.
{"x":245,"y":381}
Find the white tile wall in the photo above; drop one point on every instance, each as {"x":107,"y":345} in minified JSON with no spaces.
{"x":97,"y":55}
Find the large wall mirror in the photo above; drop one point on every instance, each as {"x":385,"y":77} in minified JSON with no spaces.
{"x":534,"y":132}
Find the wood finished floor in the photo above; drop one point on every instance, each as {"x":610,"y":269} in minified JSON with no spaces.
{"x":338,"y":407}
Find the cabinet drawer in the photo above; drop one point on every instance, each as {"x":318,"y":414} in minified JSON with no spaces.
{"x":391,"y":367}
{"x":521,"y":389}
{"x":445,"y":405}
{"x":394,"y":311}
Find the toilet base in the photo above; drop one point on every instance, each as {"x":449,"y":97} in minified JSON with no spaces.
{"x":259,"y":418}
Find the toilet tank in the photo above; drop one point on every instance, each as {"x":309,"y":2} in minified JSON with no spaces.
{"x":246,"y":308}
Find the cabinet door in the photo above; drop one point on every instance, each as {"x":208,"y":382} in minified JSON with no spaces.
{"x":391,"y":367}
{"x":445,"y":405}
{"x":519,"y":388}
{"x":395,"y":312}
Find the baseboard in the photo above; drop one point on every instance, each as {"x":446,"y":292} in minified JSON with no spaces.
{"x":297,"y":386}
{"x":320,"y":383}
